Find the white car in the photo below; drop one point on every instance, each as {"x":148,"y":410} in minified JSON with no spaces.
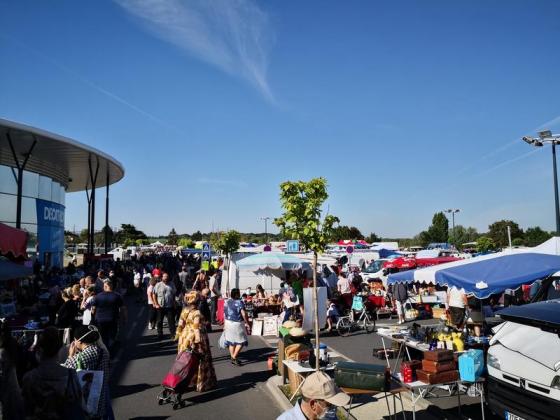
{"x":524,"y":363}
{"x":375,"y":271}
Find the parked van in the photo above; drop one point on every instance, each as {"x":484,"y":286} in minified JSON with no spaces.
{"x":524,"y":363}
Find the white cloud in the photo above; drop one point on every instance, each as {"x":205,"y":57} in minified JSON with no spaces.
{"x":232,"y":35}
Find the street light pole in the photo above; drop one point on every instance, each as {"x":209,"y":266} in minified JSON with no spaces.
{"x":452,"y":211}
{"x":266,"y":219}
{"x":554,"y":139}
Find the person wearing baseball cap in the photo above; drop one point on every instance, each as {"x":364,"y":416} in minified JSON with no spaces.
{"x":319,"y":394}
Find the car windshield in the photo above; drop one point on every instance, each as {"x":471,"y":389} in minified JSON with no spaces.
{"x":374,"y":267}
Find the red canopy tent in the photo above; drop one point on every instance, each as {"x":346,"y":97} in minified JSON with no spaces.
{"x":13,"y":242}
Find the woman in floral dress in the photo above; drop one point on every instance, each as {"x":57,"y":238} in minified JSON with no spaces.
{"x":192,"y":335}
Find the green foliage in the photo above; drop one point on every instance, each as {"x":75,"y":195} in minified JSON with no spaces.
{"x":186,"y":243}
{"x":302,"y":202}
{"x":346,"y":232}
{"x":518,"y":242}
{"x":485,"y":244}
{"x":225,"y":242}
{"x":197,"y":236}
{"x":497,"y":231}
{"x":128,"y":242}
{"x":535,"y":236}
{"x":462,"y":235}
{"x":372,"y":238}
{"x":439,"y":230}
{"x":129,"y":232}
{"x":172,"y":238}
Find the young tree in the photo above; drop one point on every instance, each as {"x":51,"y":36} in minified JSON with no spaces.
{"x":172,"y":238}
{"x":226,"y":243}
{"x":485,"y":244}
{"x":302,"y":220}
{"x":498,"y":232}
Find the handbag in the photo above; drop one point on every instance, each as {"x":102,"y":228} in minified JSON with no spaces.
{"x":91,"y":382}
{"x":222,"y":341}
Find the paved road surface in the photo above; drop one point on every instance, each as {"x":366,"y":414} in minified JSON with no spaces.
{"x":143,"y":362}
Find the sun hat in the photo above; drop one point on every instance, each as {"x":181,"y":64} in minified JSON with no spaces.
{"x":319,"y":386}
{"x":289,"y":324}
{"x":297,"y":332}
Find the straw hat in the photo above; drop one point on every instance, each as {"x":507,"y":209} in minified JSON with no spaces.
{"x":289,"y":324}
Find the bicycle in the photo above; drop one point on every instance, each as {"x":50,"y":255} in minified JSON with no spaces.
{"x":347,"y":324}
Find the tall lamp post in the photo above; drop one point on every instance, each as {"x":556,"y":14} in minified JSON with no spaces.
{"x":554,"y":139}
{"x":266,"y":219}
{"x":452,"y":211}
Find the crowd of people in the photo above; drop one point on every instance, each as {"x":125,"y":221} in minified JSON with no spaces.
{"x":77,"y":314}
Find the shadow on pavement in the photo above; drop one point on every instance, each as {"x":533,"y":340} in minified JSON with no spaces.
{"x":124,"y":390}
{"x":228,"y":387}
{"x":150,"y":418}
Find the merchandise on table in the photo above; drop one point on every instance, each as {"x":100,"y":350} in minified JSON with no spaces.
{"x":437,"y":378}
{"x":362,"y":376}
{"x":471,"y":365}
{"x":408,"y":370}
{"x":439,"y":355}
{"x":436,"y":367}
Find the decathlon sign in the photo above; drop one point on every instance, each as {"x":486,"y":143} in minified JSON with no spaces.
{"x":50,"y":214}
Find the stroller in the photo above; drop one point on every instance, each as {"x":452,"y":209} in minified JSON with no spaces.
{"x":178,"y":380}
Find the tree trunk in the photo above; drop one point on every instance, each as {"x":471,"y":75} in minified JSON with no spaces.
{"x":316,"y":310}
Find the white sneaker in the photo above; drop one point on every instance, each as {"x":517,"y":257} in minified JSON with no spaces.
{"x":150,"y":327}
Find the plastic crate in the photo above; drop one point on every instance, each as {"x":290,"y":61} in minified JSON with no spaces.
{"x":471,"y":365}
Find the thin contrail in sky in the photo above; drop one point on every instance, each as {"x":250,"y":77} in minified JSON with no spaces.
{"x":93,"y":85}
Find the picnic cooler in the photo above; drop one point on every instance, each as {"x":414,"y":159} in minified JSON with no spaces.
{"x":362,"y":376}
{"x":471,"y":365}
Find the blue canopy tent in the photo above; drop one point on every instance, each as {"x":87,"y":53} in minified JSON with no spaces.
{"x":486,"y":275}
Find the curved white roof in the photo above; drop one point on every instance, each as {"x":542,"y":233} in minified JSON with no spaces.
{"x":60,"y":158}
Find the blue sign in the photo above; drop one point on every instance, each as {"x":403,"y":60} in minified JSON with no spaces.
{"x":292,"y":246}
{"x":50,"y":231}
{"x":206,"y":251}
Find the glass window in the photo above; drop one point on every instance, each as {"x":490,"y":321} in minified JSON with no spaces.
{"x":7,"y":181}
{"x":55,"y":192}
{"x":62,"y":195}
{"x":28,"y":210}
{"x":8,"y":206}
{"x":45,"y":188}
{"x":30,"y":184}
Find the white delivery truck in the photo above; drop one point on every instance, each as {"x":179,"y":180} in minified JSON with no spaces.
{"x":524,"y":363}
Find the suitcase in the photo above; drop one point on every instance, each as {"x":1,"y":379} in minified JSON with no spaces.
{"x":362,"y":376}
{"x":436,"y":367}
{"x":439,"y":355}
{"x":437,"y":378}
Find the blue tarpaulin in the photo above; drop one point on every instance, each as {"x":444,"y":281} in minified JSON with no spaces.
{"x":486,"y":275}
{"x":384,"y":253}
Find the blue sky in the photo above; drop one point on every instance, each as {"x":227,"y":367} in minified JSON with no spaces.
{"x":406,"y":107}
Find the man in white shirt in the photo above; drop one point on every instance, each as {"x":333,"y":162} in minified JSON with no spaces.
{"x":319,"y":394}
